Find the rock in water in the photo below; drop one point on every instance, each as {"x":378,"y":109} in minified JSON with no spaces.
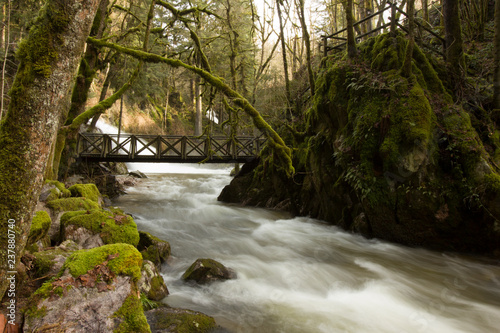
{"x":208,"y":270}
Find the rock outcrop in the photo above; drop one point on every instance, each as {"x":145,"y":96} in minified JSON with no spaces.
{"x":96,"y":293}
{"x":388,"y":156}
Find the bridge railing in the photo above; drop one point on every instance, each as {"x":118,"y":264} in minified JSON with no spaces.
{"x":171,"y":148}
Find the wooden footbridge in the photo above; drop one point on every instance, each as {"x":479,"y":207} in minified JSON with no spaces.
{"x":97,"y":147}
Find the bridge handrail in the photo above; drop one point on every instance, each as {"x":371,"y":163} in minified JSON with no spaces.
{"x":147,"y":147}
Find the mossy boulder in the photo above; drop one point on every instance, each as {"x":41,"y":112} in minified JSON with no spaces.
{"x":208,"y":270}
{"x":48,"y":263}
{"x":96,"y":291}
{"x":53,"y":190}
{"x":167,"y":319}
{"x":72,"y":204}
{"x":153,"y":249}
{"x":39,"y":229}
{"x":151,"y":282}
{"x":88,"y":191}
{"x":388,"y":156}
{"x":97,"y":227}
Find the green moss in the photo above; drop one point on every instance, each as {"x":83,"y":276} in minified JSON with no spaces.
{"x":43,"y":263}
{"x":112,"y":228}
{"x":132,"y":314}
{"x":60,"y":186}
{"x":72,"y":204}
{"x":128,"y":262}
{"x":88,"y":191}
{"x":40,"y":225}
{"x":492,"y":182}
{"x":187,"y":322}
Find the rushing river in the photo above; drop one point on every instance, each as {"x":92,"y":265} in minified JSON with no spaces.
{"x":301,"y":275}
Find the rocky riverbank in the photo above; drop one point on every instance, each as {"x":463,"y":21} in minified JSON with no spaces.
{"x":86,"y":268}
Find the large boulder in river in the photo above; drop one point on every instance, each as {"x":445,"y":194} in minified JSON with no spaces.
{"x":208,"y":270}
{"x":96,"y":293}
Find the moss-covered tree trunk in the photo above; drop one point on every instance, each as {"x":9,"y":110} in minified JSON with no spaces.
{"x":66,"y":142}
{"x":351,"y":39}
{"x":40,"y":97}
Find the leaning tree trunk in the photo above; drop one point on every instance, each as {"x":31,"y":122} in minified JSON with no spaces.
{"x":40,"y":97}
{"x":64,"y":147}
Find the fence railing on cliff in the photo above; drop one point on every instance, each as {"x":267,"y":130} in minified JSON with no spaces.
{"x":167,"y":148}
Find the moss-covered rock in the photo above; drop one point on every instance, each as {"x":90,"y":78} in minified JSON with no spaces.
{"x":111,"y":228}
{"x":40,"y":226}
{"x":88,"y":191}
{"x":95,"y":291}
{"x":208,"y":270}
{"x":122,"y":259}
{"x":387,"y":156}
{"x":153,"y":249}
{"x":167,"y":319}
{"x":151,"y":282}
{"x":72,"y":204}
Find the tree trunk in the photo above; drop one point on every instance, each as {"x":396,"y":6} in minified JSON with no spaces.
{"x":305,"y":35}
{"x":66,"y":142}
{"x":351,"y":39}
{"x":283,"y":51}
{"x":406,"y":69}
{"x":496,"y":78}
{"x":454,"y":46}
{"x":40,"y":98}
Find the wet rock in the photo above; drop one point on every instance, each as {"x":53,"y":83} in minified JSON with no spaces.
{"x":151,"y":282}
{"x":49,"y":262}
{"x":153,"y":249}
{"x":137,"y":174}
{"x":96,"y":293}
{"x":166,"y":320}
{"x":208,"y":270}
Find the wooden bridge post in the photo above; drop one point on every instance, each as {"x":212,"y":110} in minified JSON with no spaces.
{"x":158,"y":147}
{"x":183,"y":148}
{"x":105,"y":145}
{"x":208,"y":146}
{"x":133,"y":146}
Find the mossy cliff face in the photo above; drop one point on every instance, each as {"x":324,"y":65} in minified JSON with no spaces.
{"x":388,"y":157}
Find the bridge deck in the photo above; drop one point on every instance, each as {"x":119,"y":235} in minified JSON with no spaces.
{"x":98,"y":147}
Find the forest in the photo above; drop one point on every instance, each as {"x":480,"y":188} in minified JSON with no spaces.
{"x":381,"y":116}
